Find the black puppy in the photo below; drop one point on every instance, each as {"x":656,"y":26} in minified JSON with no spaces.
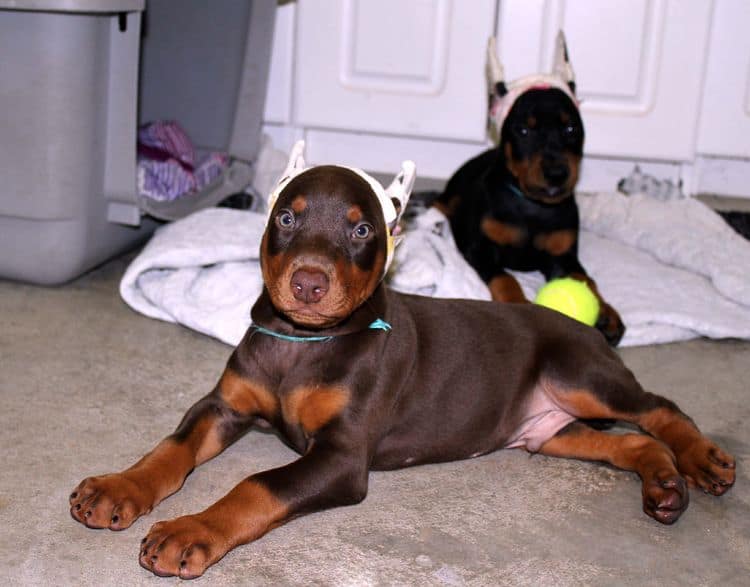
{"x":512,"y":207}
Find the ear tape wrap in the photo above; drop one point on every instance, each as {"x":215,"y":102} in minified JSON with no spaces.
{"x":561,"y":77}
{"x":399,"y":190}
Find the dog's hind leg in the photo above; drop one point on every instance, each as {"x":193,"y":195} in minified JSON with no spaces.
{"x":699,"y":460}
{"x":696,"y":458}
{"x":665,"y":493}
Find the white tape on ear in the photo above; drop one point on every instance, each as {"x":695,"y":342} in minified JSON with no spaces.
{"x":560,"y":78}
{"x":402,"y":185}
{"x":399,"y":190}
{"x":295,"y":165}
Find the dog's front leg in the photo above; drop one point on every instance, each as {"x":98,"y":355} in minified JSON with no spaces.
{"x":116,"y":500}
{"x":326,"y":476}
{"x":609,"y":322}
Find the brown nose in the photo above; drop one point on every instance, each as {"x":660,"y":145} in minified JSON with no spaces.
{"x":309,"y":286}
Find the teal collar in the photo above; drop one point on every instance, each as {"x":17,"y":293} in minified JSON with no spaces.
{"x":378,"y":324}
{"x":515,"y":189}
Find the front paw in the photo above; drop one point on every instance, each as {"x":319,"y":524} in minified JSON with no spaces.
{"x":109,"y":501}
{"x":184,"y":547}
{"x":610,"y":324}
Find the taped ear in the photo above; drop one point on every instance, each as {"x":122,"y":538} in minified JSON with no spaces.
{"x":561,"y":66}
{"x":296,"y":161}
{"x":294,"y":166}
{"x":494,"y":70}
{"x":400,"y":190}
{"x":497,"y":89}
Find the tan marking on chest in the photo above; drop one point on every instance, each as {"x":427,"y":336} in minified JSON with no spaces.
{"x":556,"y":243}
{"x":501,"y":233}
{"x":314,"y":407}
{"x":245,"y":396}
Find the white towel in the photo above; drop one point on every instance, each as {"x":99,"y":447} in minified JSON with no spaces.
{"x":674,"y":270}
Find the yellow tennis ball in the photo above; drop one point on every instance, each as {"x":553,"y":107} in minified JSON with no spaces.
{"x":570,"y":297}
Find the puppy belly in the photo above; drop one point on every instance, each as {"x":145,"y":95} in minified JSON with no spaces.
{"x":541,"y":421}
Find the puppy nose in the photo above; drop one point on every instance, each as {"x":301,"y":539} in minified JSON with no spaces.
{"x":556,"y":174}
{"x":309,"y":286}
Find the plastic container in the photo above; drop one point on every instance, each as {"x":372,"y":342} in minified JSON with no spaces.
{"x":70,"y":97}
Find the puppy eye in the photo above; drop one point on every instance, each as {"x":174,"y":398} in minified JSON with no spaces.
{"x":522,"y":130}
{"x":285,"y":219}
{"x":570,"y":130}
{"x":362,"y":231}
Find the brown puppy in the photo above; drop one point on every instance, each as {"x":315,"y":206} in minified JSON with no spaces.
{"x":357,"y":377}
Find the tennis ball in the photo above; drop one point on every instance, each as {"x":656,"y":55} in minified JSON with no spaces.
{"x":570,"y":297}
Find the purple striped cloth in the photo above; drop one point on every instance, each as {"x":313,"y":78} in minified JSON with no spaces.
{"x":166,"y":162}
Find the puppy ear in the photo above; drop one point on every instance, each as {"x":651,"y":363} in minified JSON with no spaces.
{"x":295,"y":165}
{"x":296,"y":161}
{"x":400,"y":190}
{"x":494,"y":70}
{"x":496,"y":85}
{"x":562,"y":67}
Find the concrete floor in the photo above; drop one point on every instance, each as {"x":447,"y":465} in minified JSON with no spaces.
{"x":88,"y":386}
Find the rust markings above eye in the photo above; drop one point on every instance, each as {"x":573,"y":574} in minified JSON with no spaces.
{"x":354,"y":214}
{"x":314,"y":407}
{"x":299,"y":204}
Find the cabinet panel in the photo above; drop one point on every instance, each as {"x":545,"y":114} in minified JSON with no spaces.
{"x":725,"y":116}
{"x":638,"y":64}
{"x":367,"y":63}
{"x":386,"y":66}
{"x":280,"y":76}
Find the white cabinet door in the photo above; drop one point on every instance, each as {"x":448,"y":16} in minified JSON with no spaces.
{"x":280,"y":76}
{"x":725,"y":116}
{"x":638,"y":63}
{"x":392,"y":67}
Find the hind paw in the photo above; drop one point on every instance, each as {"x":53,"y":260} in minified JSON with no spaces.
{"x":706,"y":466}
{"x":665,"y":497}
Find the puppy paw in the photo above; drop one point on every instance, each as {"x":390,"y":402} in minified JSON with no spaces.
{"x":610,"y":324}
{"x":706,"y":466}
{"x":184,"y":547}
{"x":109,"y":501}
{"x":665,"y":496}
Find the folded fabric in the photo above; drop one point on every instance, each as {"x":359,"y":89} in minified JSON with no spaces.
{"x":672,"y":269}
{"x":167,"y":163}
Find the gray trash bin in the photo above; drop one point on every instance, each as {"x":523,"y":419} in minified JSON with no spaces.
{"x":69,"y":97}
